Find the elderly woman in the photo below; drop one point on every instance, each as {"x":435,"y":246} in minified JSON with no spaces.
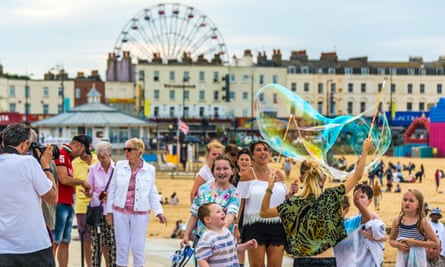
{"x":131,"y":196}
{"x":99,"y":176}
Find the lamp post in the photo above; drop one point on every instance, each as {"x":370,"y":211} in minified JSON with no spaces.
{"x":170,"y":130}
{"x":27,"y":92}
{"x":327,"y":96}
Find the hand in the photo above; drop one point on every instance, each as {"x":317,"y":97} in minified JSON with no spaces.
{"x":252,"y":243}
{"x":403,"y":245}
{"x":357,"y":194}
{"x":367,"y":145}
{"x":103,"y":196}
{"x":109,"y":218}
{"x":86,"y":185}
{"x":162,"y":219}
{"x":272,"y":178}
{"x":293,"y":187}
{"x":46,"y":157}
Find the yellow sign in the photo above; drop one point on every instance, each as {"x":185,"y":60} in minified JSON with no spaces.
{"x":147,"y":108}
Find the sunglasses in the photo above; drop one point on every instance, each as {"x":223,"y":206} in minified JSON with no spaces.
{"x":129,"y":149}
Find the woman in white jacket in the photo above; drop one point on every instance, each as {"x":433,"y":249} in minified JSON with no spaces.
{"x":131,"y":195}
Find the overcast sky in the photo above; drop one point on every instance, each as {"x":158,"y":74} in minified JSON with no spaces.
{"x":38,"y":35}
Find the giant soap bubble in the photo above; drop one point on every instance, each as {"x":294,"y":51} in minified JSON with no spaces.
{"x":296,"y":130}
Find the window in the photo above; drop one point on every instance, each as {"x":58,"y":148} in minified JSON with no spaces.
{"x":186,"y":94}
{"x":331,"y":70}
{"x":172,"y":112}
{"x":27,"y":91}
{"x":232,"y":95}
{"x":201,"y":76}
{"x":320,"y":107}
{"x":363,"y":87}
{"x":348,"y":70}
{"x":381,"y":71}
{"x":393,"y":88}
{"x":261,"y":97}
{"x":320,"y":88}
{"x":350,"y":107}
{"x":350,"y":87}
{"x":45,"y":109}
{"x":186,"y":112}
{"x":215,"y":112}
{"x":12,"y":91}
{"x":306,"y":87}
{"x":393,"y":71}
{"x":215,"y":76}
{"x":215,"y":95}
{"x":171,"y":75}
{"x":245,"y":78}
{"x":293,"y":87}
{"x":275,"y":98}
{"x":171,"y":94}
{"x":60,"y":91}
{"x":156,"y":112}
{"x":421,"y":106}
{"x":379,"y":87}
{"x":12,"y":107}
{"x":45,"y":91}
{"x":275,"y":78}
{"x":410,"y":88}
{"x":78,"y":93}
{"x":141,"y":75}
{"x":304,"y":70}
{"x":439,"y":88}
{"x":365,"y":71}
{"x":59,"y":108}
{"x":202,"y":95}
{"x":186,"y":76}
{"x":291,"y":69}
{"x":201,"y":112}
{"x":409,"y":106}
{"x":261,"y":79}
{"x":245,"y":96}
{"x":422,"y":88}
{"x":362,"y":106}
{"x":232,"y":78}
{"x":411,"y":71}
{"x":156,"y":94}
{"x":156,"y":75}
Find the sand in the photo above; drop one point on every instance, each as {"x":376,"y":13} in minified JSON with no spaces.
{"x":389,"y":207}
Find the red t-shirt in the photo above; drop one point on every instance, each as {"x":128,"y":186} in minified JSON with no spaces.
{"x":66,"y":192}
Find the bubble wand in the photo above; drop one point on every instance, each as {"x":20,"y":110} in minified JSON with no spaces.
{"x":376,"y":108}
{"x":284,"y":138}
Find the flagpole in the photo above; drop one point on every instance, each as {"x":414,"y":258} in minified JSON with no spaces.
{"x":177,"y":141}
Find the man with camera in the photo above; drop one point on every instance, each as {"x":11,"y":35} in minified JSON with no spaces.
{"x":78,"y":146}
{"x":24,"y":238}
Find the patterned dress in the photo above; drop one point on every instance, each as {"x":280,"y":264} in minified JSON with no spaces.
{"x":313,"y":225}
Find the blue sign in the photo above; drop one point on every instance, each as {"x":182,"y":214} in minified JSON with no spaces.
{"x":405,"y":118}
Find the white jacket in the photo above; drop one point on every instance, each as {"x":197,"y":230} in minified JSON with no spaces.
{"x":146,"y":193}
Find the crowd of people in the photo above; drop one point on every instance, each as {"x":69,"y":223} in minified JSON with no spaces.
{"x":47,"y":187}
{"x":239,"y":203}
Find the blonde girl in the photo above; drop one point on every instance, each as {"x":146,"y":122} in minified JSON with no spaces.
{"x":213,"y":150}
{"x":411,"y":233}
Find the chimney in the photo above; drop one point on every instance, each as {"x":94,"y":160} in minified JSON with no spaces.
{"x":276,"y":57}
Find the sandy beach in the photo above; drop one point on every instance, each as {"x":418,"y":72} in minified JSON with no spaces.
{"x":390,"y":203}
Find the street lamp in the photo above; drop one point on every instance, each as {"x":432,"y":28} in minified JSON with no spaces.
{"x":185,"y":79}
{"x":170,"y":130}
{"x":327,"y":96}
{"x":27,"y":93}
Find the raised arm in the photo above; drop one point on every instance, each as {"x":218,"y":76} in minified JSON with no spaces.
{"x":360,"y":166}
{"x":265,"y":211}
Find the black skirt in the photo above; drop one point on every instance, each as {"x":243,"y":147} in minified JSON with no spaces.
{"x":268,"y":234}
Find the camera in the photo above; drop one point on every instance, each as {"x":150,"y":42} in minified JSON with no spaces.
{"x":36,"y":146}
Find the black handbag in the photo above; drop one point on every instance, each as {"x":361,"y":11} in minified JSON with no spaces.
{"x":94,"y":213}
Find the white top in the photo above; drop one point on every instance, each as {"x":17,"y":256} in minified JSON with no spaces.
{"x":22,"y":227}
{"x":146,"y":193}
{"x":439,"y":231}
{"x":206,"y":173}
{"x":253,"y":192}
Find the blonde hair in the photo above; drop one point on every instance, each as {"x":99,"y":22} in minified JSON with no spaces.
{"x":420,"y":209}
{"x":138,"y":144}
{"x":311,"y":174}
{"x":213,"y":144}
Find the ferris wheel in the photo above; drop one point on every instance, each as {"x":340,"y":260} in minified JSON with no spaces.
{"x":171,"y":32}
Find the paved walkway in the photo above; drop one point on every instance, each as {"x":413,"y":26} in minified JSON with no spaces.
{"x":158,"y":253}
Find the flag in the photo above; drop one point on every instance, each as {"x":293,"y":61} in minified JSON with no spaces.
{"x":183,"y":127}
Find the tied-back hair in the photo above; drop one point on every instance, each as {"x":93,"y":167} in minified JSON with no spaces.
{"x":223,"y":157}
{"x":311,"y":174}
{"x":214,"y":144}
{"x":420,"y":210}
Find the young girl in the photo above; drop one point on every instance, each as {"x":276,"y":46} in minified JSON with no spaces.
{"x":411,"y":233}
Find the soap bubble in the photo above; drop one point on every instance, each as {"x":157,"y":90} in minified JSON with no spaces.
{"x":295,"y":129}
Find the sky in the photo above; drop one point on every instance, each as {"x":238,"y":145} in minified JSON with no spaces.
{"x":40,"y":35}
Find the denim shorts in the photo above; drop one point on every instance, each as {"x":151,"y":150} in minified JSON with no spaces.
{"x":64,"y":223}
